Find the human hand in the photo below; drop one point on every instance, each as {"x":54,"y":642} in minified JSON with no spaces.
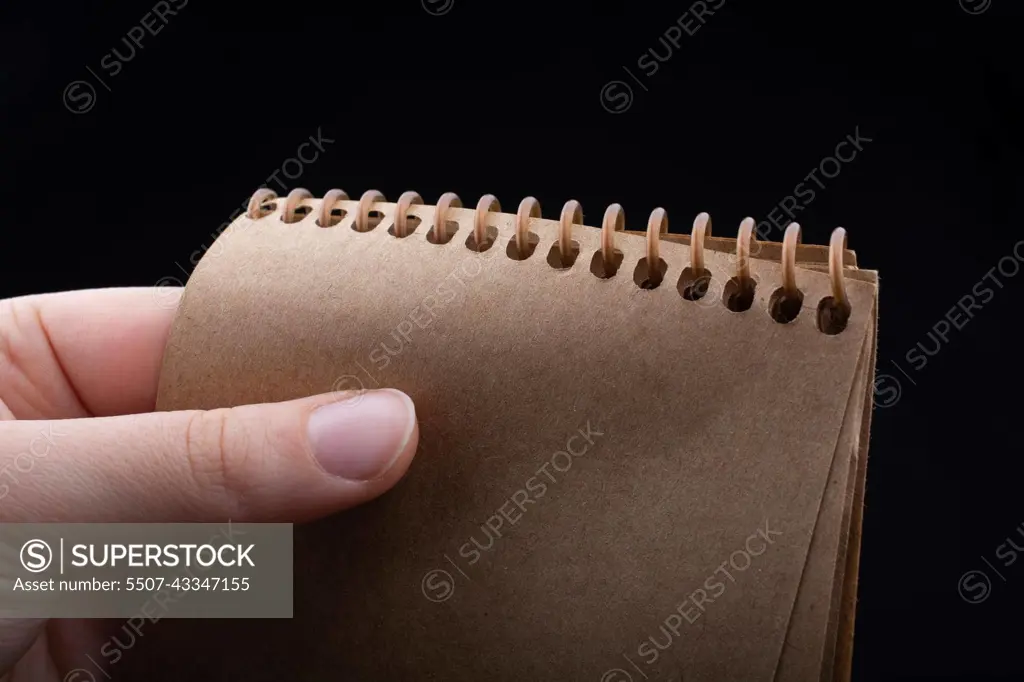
{"x":79,"y":442}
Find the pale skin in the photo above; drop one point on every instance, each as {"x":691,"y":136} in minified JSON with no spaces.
{"x":91,"y":359}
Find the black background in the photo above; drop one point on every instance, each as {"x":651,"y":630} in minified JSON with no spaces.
{"x":505,"y":98}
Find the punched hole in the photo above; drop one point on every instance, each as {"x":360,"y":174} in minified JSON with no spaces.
{"x":692,"y":285}
{"x":605,"y":269}
{"x":337,"y":215}
{"x":411,"y":223}
{"x":266,"y":209}
{"x":563,"y":261}
{"x":512,"y":251}
{"x":738,"y":295}
{"x":490,"y":236}
{"x":646,"y":277}
{"x":300,"y":213}
{"x":448,"y":231}
{"x":372,"y":221}
{"x":832,"y":317}
{"x":784,"y":306}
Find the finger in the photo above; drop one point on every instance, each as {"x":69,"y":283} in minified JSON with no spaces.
{"x":84,"y":353}
{"x":16,"y":638}
{"x":290,"y":461}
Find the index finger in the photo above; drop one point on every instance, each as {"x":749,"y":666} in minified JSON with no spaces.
{"x":84,"y":353}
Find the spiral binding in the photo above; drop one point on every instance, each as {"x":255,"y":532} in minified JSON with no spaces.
{"x":833,"y":311}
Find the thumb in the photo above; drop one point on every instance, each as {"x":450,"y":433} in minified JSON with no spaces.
{"x":289,"y":461}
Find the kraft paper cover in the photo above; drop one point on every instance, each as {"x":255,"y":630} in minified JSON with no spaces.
{"x":613,"y":483}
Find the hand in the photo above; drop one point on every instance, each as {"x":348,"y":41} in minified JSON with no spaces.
{"x":73,"y":364}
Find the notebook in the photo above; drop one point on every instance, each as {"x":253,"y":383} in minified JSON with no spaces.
{"x":642,"y":454}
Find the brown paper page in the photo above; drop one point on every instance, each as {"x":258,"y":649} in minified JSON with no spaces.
{"x":842,"y":662}
{"x":807,"y":636}
{"x":699,"y":431}
{"x":836,"y":612}
{"x":803,"y":652}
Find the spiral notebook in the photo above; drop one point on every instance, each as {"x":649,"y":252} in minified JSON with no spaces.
{"x":642,"y":454}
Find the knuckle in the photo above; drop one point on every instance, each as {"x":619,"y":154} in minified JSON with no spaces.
{"x":217,"y":457}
